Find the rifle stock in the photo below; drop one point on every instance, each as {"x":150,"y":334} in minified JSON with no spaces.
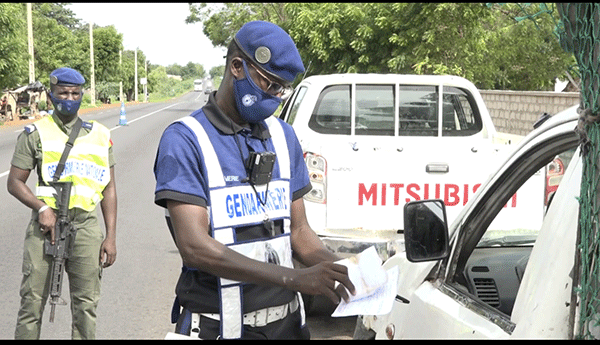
{"x":61,"y":249}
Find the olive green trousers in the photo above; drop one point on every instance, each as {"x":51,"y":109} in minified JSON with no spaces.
{"x":83,"y":270}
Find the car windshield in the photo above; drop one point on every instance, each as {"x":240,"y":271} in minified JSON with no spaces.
{"x":538,"y":189}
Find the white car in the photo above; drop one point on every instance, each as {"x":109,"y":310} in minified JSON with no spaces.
{"x":474,"y":280}
{"x":373,"y":142}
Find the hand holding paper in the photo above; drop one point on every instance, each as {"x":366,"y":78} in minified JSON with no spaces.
{"x":375,"y":287}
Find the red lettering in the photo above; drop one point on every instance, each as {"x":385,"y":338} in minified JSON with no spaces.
{"x":513,"y":202}
{"x":396,"y":187}
{"x":367,"y":194}
{"x":449,"y":194}
{"x":409,"y":190}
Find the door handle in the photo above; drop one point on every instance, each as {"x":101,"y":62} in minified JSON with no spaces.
{"x":437,"y":168}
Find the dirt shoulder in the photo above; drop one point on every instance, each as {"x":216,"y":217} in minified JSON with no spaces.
{"x":82,"y":112}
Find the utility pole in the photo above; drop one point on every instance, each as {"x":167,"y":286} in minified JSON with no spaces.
{"x":121,"y":81}
{"x":146,"y":82}
{"x":92,"y":79}
{"x":136,"y":77}
{"x":30,"y":44}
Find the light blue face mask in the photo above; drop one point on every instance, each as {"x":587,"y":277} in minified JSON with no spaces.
{"x":65,"y":107}
{"x":253,"y":104}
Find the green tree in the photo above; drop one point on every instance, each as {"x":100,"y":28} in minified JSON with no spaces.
{"x":174,"y":69}
{"x":13,"y":45}
{"x":192,"y":71}
{"x":54,"y":46}
{"x":57,"y":11}
{"x":222,"y":21}
{"x":107,"y":44}
{"x":217,"y":71}
{"x":466,"y":39}
{"x":127,"y":69}
{"x":524,"y":54}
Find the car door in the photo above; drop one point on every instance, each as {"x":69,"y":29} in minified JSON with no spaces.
{"x":471,"y":294}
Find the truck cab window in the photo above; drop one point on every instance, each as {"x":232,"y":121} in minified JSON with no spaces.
{"x":296,"y":101}
{"x":332,"y":111}
{"x":418,"y":110}
{"x":374,"y":110}
{"x":458,"y":115}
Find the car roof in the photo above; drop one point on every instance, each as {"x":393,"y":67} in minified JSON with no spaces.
{"x":387,"y":78}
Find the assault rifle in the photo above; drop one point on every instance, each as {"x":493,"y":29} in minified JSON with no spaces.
{"x":64,"y":233}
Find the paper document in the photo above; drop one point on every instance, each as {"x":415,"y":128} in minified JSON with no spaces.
{"x":375,"y":287}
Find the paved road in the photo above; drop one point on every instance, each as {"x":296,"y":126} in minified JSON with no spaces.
{"x":138,"y":290}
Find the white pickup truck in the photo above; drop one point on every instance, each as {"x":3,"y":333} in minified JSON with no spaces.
{"x":373,"y":142}
{"x":471,"y":280}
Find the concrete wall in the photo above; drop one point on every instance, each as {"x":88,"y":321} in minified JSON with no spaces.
{"x":515,"y":112}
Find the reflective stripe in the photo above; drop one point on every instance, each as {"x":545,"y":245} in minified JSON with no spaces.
{"x":280,"y":144}
{"x":77,"y":192}
{"x":224,"y":235}
{"x":263,"y":317}
{"x":195,"y":326}
{"x":231,"y":312}
{"x":86,"y":148}
{"x":215,"y":174}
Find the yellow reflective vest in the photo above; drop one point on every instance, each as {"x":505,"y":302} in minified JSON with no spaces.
{"x":87,"y":165}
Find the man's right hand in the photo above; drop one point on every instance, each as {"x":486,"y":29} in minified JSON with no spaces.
{"x":321,"y":278}
{"x":47,"y":219}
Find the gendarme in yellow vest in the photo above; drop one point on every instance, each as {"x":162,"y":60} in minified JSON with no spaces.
{"x":87,"y":166}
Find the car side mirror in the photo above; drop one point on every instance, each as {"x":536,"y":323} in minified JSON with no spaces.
{"x":426,"y":231}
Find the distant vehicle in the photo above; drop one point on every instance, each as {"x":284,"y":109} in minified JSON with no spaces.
{"x":208,"y":86}
{"x":198,"y":85}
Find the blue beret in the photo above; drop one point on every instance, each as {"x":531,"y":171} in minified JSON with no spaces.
{"x":66,"y":75}
{"x":271,"y":48}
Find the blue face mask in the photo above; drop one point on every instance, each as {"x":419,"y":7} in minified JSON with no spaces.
{"x":65,"y":107}
{"x":253,"y":104}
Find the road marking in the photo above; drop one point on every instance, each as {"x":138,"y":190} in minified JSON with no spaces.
{"x":112,"y":129}
{"x":141,"y":117}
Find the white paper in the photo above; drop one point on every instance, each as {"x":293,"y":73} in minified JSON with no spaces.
{"x":375,"y":287}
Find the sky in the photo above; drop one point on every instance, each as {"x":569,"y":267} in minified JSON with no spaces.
{"x":157,"y":29}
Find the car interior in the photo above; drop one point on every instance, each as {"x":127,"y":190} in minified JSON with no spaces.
{"x":495,"y":266}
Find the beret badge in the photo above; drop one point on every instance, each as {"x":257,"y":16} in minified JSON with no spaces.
{"x":262,"y":54}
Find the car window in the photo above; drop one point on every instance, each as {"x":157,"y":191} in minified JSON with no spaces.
{"x":417,"y":110}
{"x":374,"y":110}
{"x":291,"y":115}
{"x":331,"y":114}
{"x":492,"y":253}
{"x":458,"y":116}
{"x":504,"y":231}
